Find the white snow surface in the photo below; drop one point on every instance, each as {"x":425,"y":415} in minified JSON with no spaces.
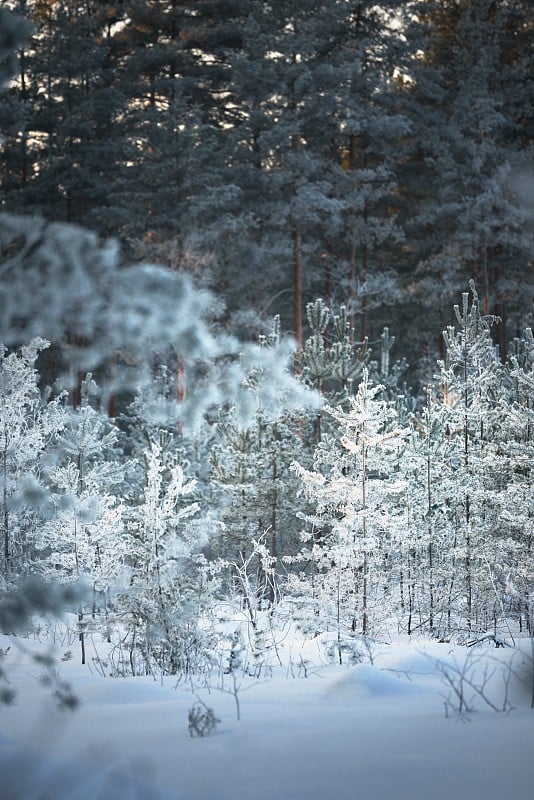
{"x":373,"y":731}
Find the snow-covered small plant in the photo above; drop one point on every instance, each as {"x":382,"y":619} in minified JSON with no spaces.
{"x":344,"y":650}
{"x":201,"y":720}
{"x":235,"y":668}
{"x":236,"y":655}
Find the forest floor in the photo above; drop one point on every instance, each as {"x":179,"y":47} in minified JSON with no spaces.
{"x":309,"y":730}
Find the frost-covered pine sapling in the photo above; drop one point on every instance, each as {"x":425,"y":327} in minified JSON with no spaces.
{"x":238,"y":470}
{"x":249,"y":579}
{"x":388,"y":372}
{"x":154,"y":417}
{"x":355,"y":511}
{"x":516,"y":512}
{"x":372,"y":436}
{"x":27,"y":426}
{"x":331,"y":361}
{"x":253,"y":488}
{"x":251,"y":481}
{"x":471,"y":377}
{"x":428,"y":471}
{"x":81,"y":539}
{"x":158,"y":546}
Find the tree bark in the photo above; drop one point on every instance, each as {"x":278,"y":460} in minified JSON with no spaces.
{"x":297,"y":285}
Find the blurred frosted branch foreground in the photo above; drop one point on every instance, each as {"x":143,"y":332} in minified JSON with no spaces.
{"x":63,"y":283}
{"x":18,"y":606}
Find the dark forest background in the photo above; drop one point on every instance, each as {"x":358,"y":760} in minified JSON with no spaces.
{"x":377,"y":156}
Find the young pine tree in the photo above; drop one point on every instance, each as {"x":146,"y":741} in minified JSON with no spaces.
{"x":159,"y":605}
{"x":82,"y":537}
{"x":358,"y":521}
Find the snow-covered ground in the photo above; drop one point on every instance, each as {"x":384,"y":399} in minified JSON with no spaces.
{"x":373,"y":731}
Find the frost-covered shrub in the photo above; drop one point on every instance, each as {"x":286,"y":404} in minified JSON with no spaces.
{"x":201,"y":720}
{"x":28,"y":425}
{"x":168,"y":583}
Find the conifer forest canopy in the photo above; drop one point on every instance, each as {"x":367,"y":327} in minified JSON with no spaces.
{"x":266,"y":287}
{"x":375,"y":155}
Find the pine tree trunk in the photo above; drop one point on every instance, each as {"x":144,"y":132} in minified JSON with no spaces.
{"x":81,"y":635}
{"x":5,"y":517}
{"x":410,"y":594}
{"x":297,"y":285}
{"x":363,"y":311}
{"x":274,"y":517}
{"x":181,"y":379}
{"x":485,"y":278}
{"x":468,"y":566}
{"x":352,"y":272}
{"x":24,"y":140}
{"x":352,"y":245}
{"x":467,"y":509}
{"x":430,"y":552}
{"x":364,"y":530}
{"x":451,"y":585}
